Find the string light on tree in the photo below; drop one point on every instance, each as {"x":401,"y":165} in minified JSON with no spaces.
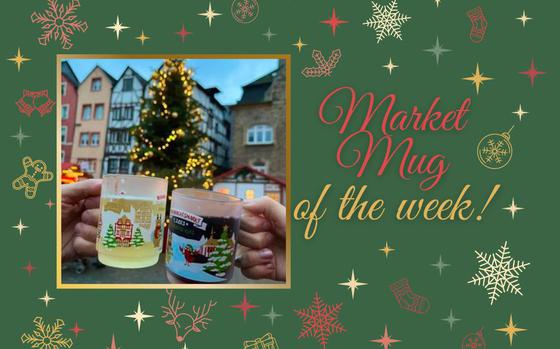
{"x":169,"y":137}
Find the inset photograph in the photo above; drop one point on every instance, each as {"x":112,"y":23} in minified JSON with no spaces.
{"x":174,"y":171}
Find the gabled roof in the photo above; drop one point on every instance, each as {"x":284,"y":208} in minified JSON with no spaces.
{"x":247,"y":168}
{"x":109,"y":76}
{"x":138,"y":76}
{"x":68,"y":72}
{"x":255,"y":92}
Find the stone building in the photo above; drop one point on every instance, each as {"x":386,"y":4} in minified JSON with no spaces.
{"x":69,"y":102}
{"x":259,"y":125}
{"x":126,"y":101}
{"x":94,"y":99}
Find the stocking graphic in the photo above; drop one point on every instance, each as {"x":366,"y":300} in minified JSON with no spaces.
{"x":478,"y":24}
{"x":409,"y":300}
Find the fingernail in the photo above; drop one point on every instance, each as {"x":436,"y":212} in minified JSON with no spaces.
{"x":266,"y":253}
{"x":270,"y":266}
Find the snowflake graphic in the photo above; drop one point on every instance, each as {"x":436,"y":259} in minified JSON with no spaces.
{"x":386,"y":20}
{"x":320,"y":320}
{"x":59,"y":23}
{"x":494,"y":151}
{"x":46,"y":336}
{"x":498,"y":273}
{"x":245,"y":11}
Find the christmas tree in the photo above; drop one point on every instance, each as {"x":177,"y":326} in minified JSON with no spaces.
{"x":137,"y":238}
{"x":109,"y":240}
{"x":169,"y":137}
{"x":219,"y":260}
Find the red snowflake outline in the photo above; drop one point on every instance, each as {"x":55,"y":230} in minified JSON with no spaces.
{"x":320,"y":320}
{"x":59,"y":23}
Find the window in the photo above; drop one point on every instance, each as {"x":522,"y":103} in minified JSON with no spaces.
{"x":99,"y":110}
{"x":274,"y":195}
{"x":128,"y":113}
{"x":113,"y":165}
{"x":64,"y":111}
{"x":123,"y":167}
{"x":223,"y":190}
{"x":116,"y":113}
{"x":94,"y":139}
{"x":259,"y":134}
{"x":127,"y":84}
{"x":62,"y":155}
{"x":87,"y":165}
{"x":260,"y":166}
{"x":96,"y":84}
{"x":63,"y":133}
{"x":84,"y":139}
{"x":86,"y":112}
{"x":63,"y":88}
{"x":249,"y":194}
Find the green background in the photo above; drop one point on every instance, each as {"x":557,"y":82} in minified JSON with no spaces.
{"x":339,"y":247}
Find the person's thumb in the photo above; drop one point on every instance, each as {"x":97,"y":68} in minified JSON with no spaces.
{"x":271,"y":210}
{"x":79,"y":191}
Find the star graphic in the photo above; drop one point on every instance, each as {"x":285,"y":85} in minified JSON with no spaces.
{"x":29,"y":268}
{"x":386,"y":250}
{"x":513,"y":208}
{"x":209,"y":14}
{"x":268,"y":34}
{"x":142,"y":37}
{"x":50,"y":204}
{"x":139,"y":316}
{"x":113,"y":343}
{"x":478,"y":79}
{"x":46,"y":298}
{"x":390,"y":66}
{"x":523,"y":18}
{"x":19,"y":59}
{"x":532,"y":73}
{"x":183,"y":33}
{"x":437,"y":2}
{"x":76,"y":329}
{"x":511,"y":329}
{"x":20,"y":136}
{"x":334,"y":21}
{"x":20,"y":227}
{"x":385,"y":340}
{"x":117,"y":27}
{"x":299,"y":44}
{"x":437,"y":50}
{"x":244,"y":306}
{"x":440,"y":265}
{"x":352,"y":284}
{"x":520,"y":112}
{"x":451,"y":319}
{"x":272,"y":315}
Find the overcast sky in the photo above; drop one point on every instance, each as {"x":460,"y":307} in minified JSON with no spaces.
{"x":229,"y":75}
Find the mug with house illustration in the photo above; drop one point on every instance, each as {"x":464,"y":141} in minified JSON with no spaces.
{"x":131,"y":222}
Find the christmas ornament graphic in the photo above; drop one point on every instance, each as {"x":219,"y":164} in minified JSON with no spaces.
{"x":324,"y":67}
{"x":59,"y":22}
{"x":494,"y":151}
{"x":498,"y":273}
{"x":320,"y":320}
{"x":474,"y":341}
{"x":184,"y":322}
{"x":46,"y":336}
{"x":35,"y":100}
{"x":265,"y":342}
{"x":478,"y":24}
{"x":386,"y":20}
{"x":409,"y":300}
{"x":245,"y":11}
{"x":34,"y":173}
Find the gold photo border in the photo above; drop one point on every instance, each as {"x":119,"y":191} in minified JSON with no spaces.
{"x":285,"y":285}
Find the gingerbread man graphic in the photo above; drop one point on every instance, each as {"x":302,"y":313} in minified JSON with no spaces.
{"x":34,"y":173}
